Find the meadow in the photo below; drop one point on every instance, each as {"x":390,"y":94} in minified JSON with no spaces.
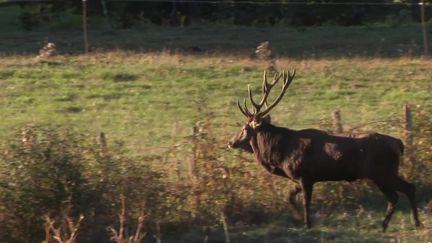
{"x":144,"y":98}
{"x":147,"y":90}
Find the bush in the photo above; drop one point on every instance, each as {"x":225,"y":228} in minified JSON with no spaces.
{"x":40,"y":170}
{"x":46,"y":168}
{"x":422,"y":133}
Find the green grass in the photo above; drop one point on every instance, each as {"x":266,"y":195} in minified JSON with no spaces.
{"x":337,"y":227}
{"x":141,"y":98}
{"x":151,"y":100}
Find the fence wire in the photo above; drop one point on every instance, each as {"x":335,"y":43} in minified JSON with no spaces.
{"x":352,"y":3}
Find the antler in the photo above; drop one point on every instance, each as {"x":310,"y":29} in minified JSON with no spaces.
{"x":244,"y":110}
{"x":287,"y":79}
{"x":266,"y":88}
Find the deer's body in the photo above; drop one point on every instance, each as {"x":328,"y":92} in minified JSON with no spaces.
{"x":325,"y":157}
{"x":309,"y":156}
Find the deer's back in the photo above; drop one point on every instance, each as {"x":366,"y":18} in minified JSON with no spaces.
{"x":349,"y":156}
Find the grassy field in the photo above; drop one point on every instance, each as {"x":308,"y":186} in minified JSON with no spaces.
{"x":144,"y":98}
{"x":150,"y":94}
{"x":148,"y":100}
{"x":343,"y":227}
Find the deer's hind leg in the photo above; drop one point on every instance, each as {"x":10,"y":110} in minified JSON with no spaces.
{"x":392,"y":199}
{"x":409,"y":190}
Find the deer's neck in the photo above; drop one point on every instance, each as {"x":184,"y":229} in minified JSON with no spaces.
{"x":268,"y":145}
{"x":256,"y":150}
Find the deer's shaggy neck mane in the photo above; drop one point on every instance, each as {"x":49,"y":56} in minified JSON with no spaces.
{"x":267,"y":141}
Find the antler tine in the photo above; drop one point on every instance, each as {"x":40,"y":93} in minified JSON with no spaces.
{"x":287,"y":79}
{"x":246,"y":109}
{"x":276,"y":78}
{"x":256,"y":106}
{"x":241,"y":109}
{"x":266,"y":87}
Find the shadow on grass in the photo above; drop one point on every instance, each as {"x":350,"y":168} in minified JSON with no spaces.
{"x":332,"y":222}
{"x":279,"y":232}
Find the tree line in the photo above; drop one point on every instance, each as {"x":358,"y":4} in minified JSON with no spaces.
{"x":127,"y":14}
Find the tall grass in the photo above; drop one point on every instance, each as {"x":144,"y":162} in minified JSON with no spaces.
{"x":166,"y":117}
{"x":196,"y":190}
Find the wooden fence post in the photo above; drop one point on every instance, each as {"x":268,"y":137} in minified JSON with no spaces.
{"x":424,"y":29}
{"x":407,"y":134}
{"x":177,"y":166}
{"x":102,"y":142}
{"x":225,"y":227}
{"x":337,"y":122}
{"x":84,"y":17}
{"x":192,"y":167}
{"x":338,"y":128}
{"x":158,"y":234}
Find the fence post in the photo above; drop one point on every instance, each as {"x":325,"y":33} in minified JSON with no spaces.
{"x":84,"y":17}
{"x":225,"y":227}
{"x":408,"y":138}
{"x":337,"y":122}
{"x":102,"y":142}
{"x":192,"y":167}
{"x":177,"y":166}
{"x":158,"y":234}
{"x":424,"y":29}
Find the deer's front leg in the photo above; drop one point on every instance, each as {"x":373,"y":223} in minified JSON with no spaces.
{"x":306,"y":187}
{"x":292,"y":198}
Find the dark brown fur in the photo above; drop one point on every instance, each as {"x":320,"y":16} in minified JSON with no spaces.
{"x":309,"y":156}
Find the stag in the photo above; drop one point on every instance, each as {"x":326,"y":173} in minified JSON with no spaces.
{"x":310,"y":155}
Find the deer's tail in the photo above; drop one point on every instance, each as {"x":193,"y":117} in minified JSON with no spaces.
{"x":401,"y":147}
{"x":400,"y":151}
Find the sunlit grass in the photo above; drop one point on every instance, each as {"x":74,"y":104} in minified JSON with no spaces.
{"x":140,"y":97}
{"x":151,"y":100}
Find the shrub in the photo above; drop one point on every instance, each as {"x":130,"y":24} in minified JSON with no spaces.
{"x":45,"y":168}
{"x":40,"y":169}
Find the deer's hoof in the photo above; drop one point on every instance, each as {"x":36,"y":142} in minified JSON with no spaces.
{"x":419,"y":225}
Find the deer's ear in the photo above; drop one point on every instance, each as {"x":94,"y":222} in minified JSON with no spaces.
{"x":267,"y":119}
{"x":254,"y":123}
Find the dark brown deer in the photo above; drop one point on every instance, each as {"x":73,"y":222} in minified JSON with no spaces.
{"x":309,"y":156}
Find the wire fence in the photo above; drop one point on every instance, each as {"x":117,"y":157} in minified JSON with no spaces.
{"x":174,"y":8}
{"x":347,"y":3}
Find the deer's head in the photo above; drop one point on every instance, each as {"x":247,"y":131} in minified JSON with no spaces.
{"x":256,"y":118}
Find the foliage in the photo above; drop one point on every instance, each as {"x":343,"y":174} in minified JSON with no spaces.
{"x":185,"y":181}
{"x":265,"y":13}
{"x":422,"y":145}
{"x":33,"y":15}
{"x":38,"y":175}
{"x":46,"y":168}
{"x":194,"y":185}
